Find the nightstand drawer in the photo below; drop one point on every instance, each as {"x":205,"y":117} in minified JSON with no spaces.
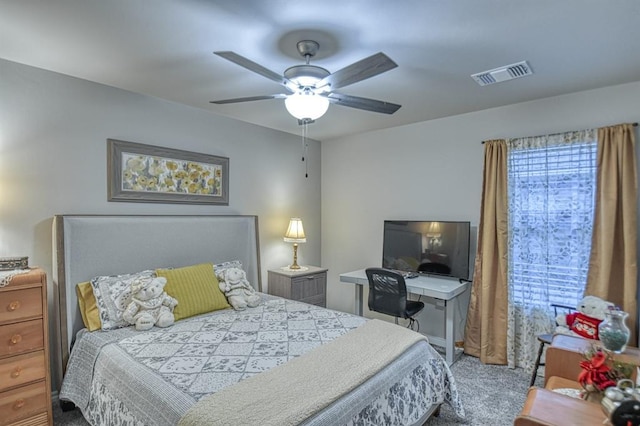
{"x":316,"y":300}
{"x":21,"y":369}
{"x":21,"y":337}
{"x":23,"y":402}
{"x":21,"y":304}
{"x":309,"y":286}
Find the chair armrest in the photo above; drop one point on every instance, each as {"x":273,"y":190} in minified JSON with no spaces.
{"x":571,"y":308}
{"x":563,"y":363}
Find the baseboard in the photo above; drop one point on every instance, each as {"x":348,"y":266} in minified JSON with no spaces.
{"x":437,"y":341}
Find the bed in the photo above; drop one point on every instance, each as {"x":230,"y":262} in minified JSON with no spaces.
{"x":282,"y":362}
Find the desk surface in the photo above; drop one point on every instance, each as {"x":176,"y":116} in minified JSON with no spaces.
{"x":439,"y":288}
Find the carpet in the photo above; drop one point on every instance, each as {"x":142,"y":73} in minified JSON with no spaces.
{"x":492,"y":395}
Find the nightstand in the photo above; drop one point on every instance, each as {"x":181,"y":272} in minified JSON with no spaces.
{"x":25,"y":381}
{"x":309,"y":286}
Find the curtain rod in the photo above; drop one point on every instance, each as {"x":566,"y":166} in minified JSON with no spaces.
{"x":633,"y":124}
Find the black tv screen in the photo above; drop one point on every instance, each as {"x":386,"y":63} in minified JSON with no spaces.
{"x":427,"y":247}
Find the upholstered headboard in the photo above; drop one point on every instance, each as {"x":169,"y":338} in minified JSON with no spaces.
{"x":87,"y":246}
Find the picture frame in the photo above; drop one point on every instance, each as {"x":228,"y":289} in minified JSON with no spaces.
{"x":153,"y":174}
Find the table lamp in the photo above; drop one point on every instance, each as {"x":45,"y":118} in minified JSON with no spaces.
{"x":435,"y":235}
{"x":295,"y":235}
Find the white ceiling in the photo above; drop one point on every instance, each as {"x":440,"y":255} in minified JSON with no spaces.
{"x":163,"y":48}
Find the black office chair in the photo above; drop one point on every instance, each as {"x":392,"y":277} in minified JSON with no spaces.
{"x":434,"y":267}
{"x":388,"y":295}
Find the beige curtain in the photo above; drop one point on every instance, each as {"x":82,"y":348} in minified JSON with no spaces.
{"x":486,"y":327}
{"x":613,"y":269}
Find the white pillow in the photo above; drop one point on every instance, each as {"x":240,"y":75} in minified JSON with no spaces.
{"x":113,"y":294}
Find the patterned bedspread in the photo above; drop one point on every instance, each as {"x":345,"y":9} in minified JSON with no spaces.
{"x":129,"y":377}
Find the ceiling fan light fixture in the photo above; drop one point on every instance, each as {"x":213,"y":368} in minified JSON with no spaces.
{"x":306,"y":105}
{"x":306,"y":80}
{"x":312,"y":87}
{"x":306,"y":76}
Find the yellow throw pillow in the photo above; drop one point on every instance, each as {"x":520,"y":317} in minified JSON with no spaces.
{"x":196,"y":289}
{"x":88,"y":306}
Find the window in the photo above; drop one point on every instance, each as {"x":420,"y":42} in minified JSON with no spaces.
{"x":551,"y":188}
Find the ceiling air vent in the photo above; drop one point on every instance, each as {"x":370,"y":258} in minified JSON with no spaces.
{"x":509,"y":72}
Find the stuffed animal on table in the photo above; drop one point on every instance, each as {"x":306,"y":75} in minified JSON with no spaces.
{"x":239,"y":292}
{"x":150,"y":305}
{"x":584,"y":322}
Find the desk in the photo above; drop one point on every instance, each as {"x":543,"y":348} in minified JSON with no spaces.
{"x":443,"y":289}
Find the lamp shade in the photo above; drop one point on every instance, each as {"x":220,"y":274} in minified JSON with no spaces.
{"x":295,"y":232}
{"x":306,"y":105}
{"x":434,"y":228}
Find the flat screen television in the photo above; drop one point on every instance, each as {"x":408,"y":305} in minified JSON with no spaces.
{"x":427,"y":247}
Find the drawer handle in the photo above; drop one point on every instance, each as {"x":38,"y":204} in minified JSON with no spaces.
{"x":19,"y":404}
{"x":16,"y":372}
{"x":14,"y":305}
{"x":15,"y":339}
{"x":311,"y":277}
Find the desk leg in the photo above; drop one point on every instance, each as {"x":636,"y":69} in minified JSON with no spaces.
{"x":359,"y":299}
{"x":450,"y":335}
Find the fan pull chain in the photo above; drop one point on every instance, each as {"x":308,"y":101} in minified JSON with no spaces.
{"x":305,"y":146}
{"x":304,"y":137}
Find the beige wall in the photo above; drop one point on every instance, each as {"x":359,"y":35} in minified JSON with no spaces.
{"x":53,"y":132}
{"x":433,"y":170}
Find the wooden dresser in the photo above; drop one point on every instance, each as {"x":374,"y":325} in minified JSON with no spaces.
{"x":25,"y":380}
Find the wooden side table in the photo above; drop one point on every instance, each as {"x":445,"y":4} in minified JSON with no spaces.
{"x":565,"y":353}
{"x":309,"y":285}
{"x":25,"y":380}
{"x":545,"y":407}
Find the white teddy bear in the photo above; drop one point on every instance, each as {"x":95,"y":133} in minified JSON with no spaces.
{"x":234,"y":284}
{"x":150,"y":305}
{"x":584,"y":323}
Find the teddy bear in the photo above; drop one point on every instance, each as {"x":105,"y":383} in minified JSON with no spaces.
{"x":150,"y":305}
{"x":235,"y":286}
{"x":590,"y":312}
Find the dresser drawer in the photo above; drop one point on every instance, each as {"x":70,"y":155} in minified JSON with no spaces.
{"x":21,"y":337}
{"x":20,"y":304}
{"x":40,"y":419}
{"x":21,"y":369}
{"x":23,"y":402}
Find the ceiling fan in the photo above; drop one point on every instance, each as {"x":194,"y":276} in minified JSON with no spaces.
{"x":311,"y":88}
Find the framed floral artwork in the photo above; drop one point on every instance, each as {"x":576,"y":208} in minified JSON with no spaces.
{"x":154,"y":174}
